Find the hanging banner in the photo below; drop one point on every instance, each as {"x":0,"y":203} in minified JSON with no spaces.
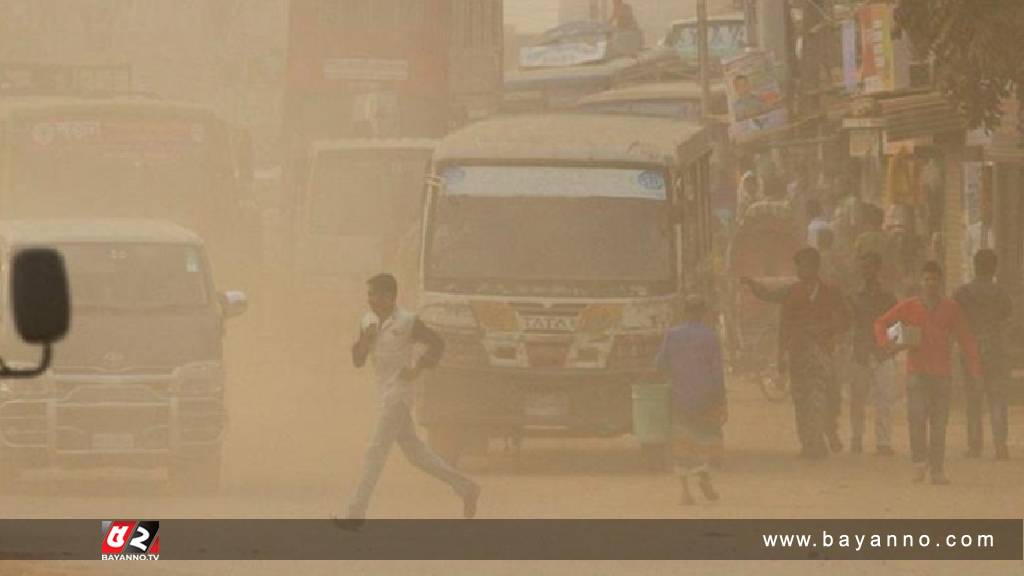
{"x":876,"y":48}
{"x":851,"y":68}
{"x":756,"y":102}
{"x":885,"y":61}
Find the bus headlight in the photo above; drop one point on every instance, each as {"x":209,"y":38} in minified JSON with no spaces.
{"x":496,"y":316}
{"x":647,"y":317}
{"x":599,"y":319}
{"x":448,"y":315}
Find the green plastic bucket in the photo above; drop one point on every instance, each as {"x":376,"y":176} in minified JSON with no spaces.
{"x":652,"y":412}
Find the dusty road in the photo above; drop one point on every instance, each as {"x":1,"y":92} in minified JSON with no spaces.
{"x":300,"y":417}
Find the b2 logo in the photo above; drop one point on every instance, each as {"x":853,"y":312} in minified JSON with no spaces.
{"x":130,"y":540}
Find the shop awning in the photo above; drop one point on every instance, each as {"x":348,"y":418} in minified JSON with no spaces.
{"x":907,"y":116}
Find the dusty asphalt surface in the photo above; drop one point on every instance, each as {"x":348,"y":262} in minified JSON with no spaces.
{"x":300,"y":417}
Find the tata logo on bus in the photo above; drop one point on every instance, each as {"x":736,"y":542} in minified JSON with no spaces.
{"x":530,"y":323}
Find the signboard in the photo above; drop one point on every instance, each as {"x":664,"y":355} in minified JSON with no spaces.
{"x":725,"y":40}
{"x":109,"y":138}
{"x":374,"y":69}
{"x":865,"y":143}
{"x":972,"y":190}
{"x":756,"y":102}
{"x":885,"y":63}
{"x":977,"y":205}
{"x":56,"y":78}
{"x":851,"y":68}
{"x":563,"y":54}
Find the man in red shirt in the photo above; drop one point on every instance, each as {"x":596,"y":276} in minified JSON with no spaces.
{"x":929,"y":363}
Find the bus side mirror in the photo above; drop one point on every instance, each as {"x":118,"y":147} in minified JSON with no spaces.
{"x":233,"y":304}
{"x":42,"y":303}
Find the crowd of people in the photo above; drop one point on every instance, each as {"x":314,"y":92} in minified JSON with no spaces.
{"x":853,"y":308}
{"x":844,"y":322}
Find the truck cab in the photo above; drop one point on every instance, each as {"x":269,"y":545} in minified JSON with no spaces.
{"x":139,"y":381}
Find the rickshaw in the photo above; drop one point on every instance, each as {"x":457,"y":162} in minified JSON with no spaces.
{"x":761,"y":247}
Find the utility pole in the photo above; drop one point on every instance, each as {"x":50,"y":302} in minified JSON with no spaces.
{"x":812,"y":58}
{"x":751,"y":23}
{"x":702,"y":57}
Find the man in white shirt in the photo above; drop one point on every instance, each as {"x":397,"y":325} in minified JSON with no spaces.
{"x":818,"y":223}
{"x":390,"y":334}
{"x":750,"y":191}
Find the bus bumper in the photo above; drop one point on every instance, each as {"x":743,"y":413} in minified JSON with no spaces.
{"x":559,"y":403}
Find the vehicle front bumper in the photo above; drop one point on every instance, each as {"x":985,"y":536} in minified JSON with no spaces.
{"x":577,"y":403}
{"x":109,"y":419}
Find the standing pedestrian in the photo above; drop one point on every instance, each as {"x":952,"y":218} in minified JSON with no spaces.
{"x":750,"y":191}
{"x":870,"y":366}
{"x":832,"y":269}
{"x":818,"y":222}
{"x":390,"y":335}
{"x":622,"y":17}
{"x":988,"y":308}
{"x":873,"y":239}
{"x":812,"y":319}
{"x":691,"y":356}
{"x":939,"y":320}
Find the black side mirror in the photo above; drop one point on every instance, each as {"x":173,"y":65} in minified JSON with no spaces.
{"x":42,"y":303}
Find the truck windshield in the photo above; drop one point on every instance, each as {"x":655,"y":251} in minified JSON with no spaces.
{"x":366,"y":193}
{"x":135,"y":276}
{"x":111,"y":166}
{"x":551,"y":225}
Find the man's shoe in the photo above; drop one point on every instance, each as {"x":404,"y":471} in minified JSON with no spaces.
{"x":348,"y":523}
{"x":939,"y":479}
{"x":707,"y":489}
{"x":469,"y":502}
{"x":973,"y":453}
{"x":885,"y":450}
{"x":1002,"y":452}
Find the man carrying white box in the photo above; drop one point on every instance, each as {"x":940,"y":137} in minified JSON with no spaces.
{"x":927,"y":325}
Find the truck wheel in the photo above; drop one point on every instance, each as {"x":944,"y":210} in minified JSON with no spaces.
{"x":197,"y":474}
{"x":447,"y":441}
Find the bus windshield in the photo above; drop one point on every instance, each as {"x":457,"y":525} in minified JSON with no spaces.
{"x":111,"y":166}
{"x":539,"y":224}
{"x":135,"y":276}
{"x":366,"y":193}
